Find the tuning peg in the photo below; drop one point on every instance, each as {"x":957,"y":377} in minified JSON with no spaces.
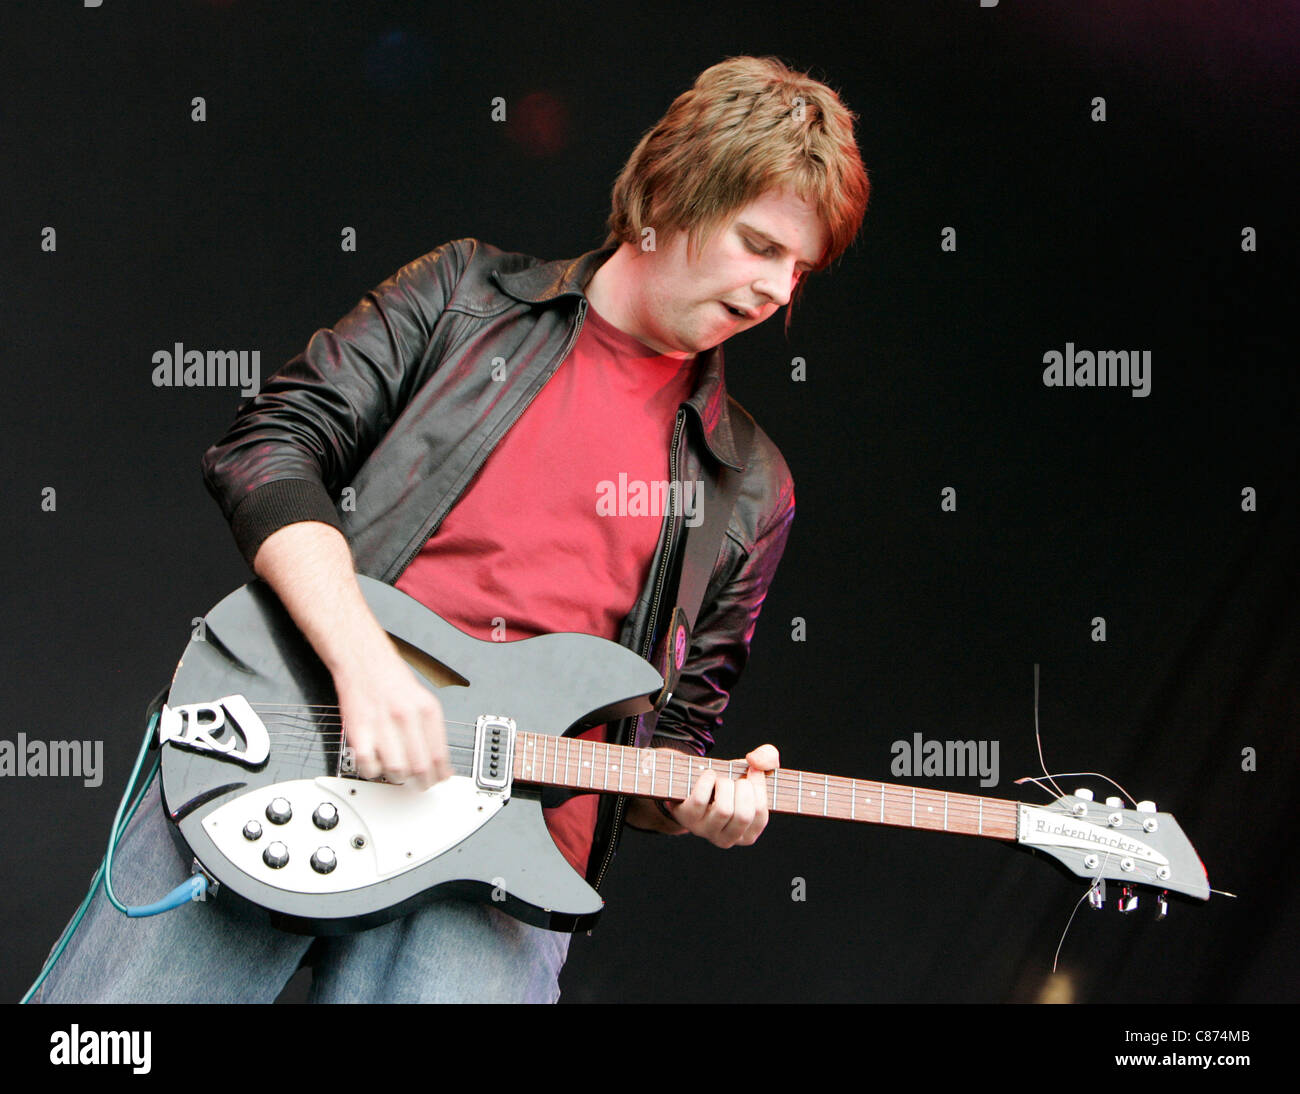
{"x":1146,"y":807}
{"x":1162,"y":904}
{"x":1097,"y":895}
{"x":1084,"y":793}
{"x":1128,"y":900}
{"x":1114,"y":803}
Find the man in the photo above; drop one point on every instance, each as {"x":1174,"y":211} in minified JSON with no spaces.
{"x":472,"y":405}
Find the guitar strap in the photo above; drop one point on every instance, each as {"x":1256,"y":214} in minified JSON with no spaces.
{"x":697,"y":559}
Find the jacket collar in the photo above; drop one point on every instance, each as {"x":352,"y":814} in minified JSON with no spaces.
{"x":568,"y":277}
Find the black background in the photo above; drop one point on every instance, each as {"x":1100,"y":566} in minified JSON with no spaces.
{"x":924,"y":370}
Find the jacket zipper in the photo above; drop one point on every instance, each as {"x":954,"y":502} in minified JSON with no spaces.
{"x":573,"y":337}
{"x":621,"y":804}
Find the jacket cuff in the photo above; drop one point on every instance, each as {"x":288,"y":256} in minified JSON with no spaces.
{"x":277,"y":503}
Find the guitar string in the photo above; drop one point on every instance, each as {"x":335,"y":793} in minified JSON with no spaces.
{"x":838,"y":791}
{"x":311,"y":724}
{"x":841,"y":803}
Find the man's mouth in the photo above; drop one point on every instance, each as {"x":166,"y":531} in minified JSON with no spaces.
{"x":737,"y":312}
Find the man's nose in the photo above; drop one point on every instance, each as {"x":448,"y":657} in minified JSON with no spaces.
{"x":777,"y":289}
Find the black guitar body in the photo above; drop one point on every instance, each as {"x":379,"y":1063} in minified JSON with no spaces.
{"x":392,"y":846}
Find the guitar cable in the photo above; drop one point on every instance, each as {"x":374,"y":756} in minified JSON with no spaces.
{"x":192,"y":889}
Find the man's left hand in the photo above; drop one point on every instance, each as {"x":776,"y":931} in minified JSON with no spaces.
{"x":729,"y":812}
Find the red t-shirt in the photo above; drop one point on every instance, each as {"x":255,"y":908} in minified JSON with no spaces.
{"x":558,"y":529}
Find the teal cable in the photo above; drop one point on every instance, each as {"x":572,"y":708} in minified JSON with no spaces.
{"x":101,"y":872}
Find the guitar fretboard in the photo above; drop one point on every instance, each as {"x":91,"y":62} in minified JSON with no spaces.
{"x":578,"y":764}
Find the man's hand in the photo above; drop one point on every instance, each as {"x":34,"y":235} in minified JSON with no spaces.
{"x":729,"y":812}
{"x":392,"y":722}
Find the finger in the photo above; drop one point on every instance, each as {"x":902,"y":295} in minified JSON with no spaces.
{"x":764,"y":758}
{"x":418,"y":749}
{"x":442,"y":768}
{"x":367,"y":760}
{"x":758,"y":783}
{"x":742,"y":815}
{"x":690,"y":813}
{"x":720,"y":812}
{"x":393,"y":758}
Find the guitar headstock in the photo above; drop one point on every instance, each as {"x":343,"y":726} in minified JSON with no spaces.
{"x":1106,"y":842}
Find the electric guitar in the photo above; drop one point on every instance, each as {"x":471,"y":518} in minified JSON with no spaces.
{"x":257,"y":778}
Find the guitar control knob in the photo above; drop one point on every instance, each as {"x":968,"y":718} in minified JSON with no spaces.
{"x":323,"y":860}
{"x":279,"y":811}
{"x":1128,"y":901}
{"x":1084,"y":793}
{"x":325,"y":817}
{"x":252,"y":830}
{"x":1114,"y":803}
{"x":276,"y":855}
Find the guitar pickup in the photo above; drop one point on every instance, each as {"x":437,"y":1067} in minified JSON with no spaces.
{"x":494,"y":752}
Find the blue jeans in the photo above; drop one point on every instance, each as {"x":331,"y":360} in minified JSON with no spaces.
{"x":219,"y":951}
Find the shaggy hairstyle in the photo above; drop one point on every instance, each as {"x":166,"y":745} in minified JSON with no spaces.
{"x":750,"y":124}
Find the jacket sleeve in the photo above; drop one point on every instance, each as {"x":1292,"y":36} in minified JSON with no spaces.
{"x":720,"y":644}
{"x":295,"y":445}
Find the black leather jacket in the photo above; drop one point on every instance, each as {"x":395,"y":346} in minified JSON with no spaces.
{"x":407,"y":395}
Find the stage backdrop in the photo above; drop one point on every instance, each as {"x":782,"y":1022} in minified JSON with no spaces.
{"x":1052,"y":183}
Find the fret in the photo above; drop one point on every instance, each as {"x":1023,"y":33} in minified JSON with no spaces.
{"x":799,"y":804}
{"x":882,"y":803}
{"x":775,"y":775}
{"x":604,"y":780}
{"x":672,"y":774}
{"x":853,"y":799}
{"x":945,"y":811}
{"x":913,"y":807}
{"x":981,"y":827}
{"x":826,"y":794}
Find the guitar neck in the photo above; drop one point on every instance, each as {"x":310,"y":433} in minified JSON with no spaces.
{"x":578,"y":764}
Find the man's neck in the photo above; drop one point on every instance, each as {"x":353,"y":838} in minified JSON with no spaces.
{"x":614,"y":291}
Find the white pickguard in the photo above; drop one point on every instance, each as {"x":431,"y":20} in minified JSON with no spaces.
{"x":400,"y":828}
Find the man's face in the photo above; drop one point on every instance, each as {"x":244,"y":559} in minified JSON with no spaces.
{"x":751,"y":264}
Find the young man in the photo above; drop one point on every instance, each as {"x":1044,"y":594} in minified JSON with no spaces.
{"x":474,"y":404}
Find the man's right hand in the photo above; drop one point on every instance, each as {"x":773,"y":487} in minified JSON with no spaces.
{"x":392,"y":721}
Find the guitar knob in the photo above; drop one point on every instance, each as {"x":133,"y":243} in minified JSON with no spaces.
{"x":1146,"y":807}
{"x":1128,"y":901}
{"x":279,"y":811}
{"x":276,"y":855}
{"x":1114,"y":803}
{"x":323,"y":860}
{"x":1162,"y":904}
{"x":1084,"y":793}
{"x":325,"y":817}
{"x":252,"y":831}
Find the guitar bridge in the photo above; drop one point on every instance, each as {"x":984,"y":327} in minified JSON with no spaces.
{"x":494,"y":752}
